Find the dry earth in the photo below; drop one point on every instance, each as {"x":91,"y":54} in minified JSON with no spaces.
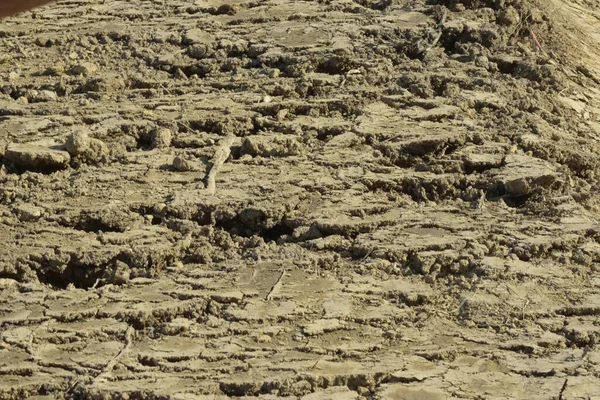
{"x":406,"y":208}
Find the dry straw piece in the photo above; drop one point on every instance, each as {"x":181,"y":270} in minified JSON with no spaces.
{"x":221,"y":155}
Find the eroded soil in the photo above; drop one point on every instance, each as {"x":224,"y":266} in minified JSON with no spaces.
{"x":408,"y":208}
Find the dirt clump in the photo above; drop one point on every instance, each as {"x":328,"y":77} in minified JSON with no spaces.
{"x":37,"y":156}
{"x":86,"y":149}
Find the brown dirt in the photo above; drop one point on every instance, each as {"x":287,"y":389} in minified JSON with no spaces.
{"x":405,"y":206}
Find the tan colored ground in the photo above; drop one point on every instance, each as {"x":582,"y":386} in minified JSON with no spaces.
{"x":408,"y":209}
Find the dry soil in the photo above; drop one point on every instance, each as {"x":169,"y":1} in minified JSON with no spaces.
{"x":334,"y":199}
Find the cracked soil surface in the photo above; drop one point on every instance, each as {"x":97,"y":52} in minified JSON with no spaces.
{"x":405,"y":204}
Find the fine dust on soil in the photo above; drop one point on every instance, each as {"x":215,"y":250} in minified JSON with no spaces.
{"x":408,"y":208}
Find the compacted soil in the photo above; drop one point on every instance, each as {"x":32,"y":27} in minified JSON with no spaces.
{"x":333,"y":199}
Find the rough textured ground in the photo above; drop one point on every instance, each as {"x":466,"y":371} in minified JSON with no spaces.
{"x":408,"y":208}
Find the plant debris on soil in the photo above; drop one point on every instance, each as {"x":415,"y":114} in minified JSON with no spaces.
{"x":332,"y":199}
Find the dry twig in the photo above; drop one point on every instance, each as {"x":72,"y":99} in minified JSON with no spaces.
{"x":535,"y":40}
{"x":221,"y":155}
{"x":275,"y":289}
{"x":111,"y":364}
